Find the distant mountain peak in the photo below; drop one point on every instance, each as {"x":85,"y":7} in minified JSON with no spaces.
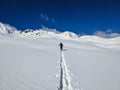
{"x":69,"y":35}
{"x":6,"y":29}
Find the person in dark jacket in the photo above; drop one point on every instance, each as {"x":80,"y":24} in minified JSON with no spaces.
{"x":61,"y":46}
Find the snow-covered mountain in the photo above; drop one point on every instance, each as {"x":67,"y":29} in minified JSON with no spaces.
{"x":50,"y":34}
{"x":6,"y":29}
{"x":34,"y":62}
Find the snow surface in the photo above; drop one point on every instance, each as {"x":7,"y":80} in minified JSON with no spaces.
{"x":65,"y":80}
{"x":33,"y":63}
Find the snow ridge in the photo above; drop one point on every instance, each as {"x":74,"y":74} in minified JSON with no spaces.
{"x":7,"y":30}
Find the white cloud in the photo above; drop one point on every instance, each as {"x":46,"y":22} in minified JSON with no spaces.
{"x":46,"y":18}
{"x":109,"y":31}
{"x":53,"y":20}
{"x":50,"y":29}
{"x":107,"y":34}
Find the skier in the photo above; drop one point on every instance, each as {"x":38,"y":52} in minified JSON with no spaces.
{"x":61,"y":46}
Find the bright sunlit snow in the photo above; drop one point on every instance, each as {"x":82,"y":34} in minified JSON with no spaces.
{"x":29,"y":62}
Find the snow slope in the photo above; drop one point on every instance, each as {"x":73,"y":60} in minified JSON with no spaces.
{"x":32,"y":62}
{"x":65,"y":79}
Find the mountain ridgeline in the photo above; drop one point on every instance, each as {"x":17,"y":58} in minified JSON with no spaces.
{"x":8,"y":30}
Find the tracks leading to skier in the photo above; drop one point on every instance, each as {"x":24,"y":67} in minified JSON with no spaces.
{"x":65,"y":80}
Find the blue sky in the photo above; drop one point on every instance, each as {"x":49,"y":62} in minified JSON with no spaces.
{"x":79,"y":16}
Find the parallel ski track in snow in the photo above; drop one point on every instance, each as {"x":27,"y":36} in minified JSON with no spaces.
{"x":65,"y":80}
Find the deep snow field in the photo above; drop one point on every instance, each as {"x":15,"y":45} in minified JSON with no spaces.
{"x":32,"y":63}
